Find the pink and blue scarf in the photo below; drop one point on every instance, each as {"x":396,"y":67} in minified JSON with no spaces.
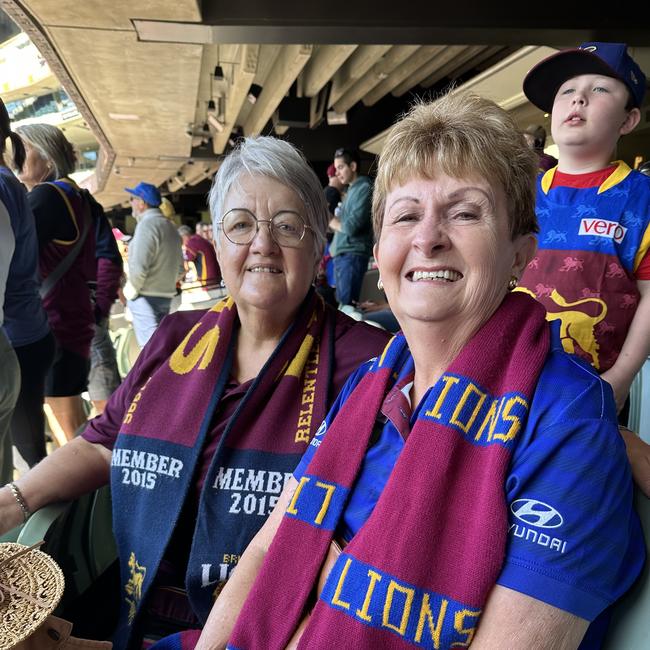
{"x":418,"y":573}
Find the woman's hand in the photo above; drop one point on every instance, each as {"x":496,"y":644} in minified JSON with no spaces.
{"x":638,"y":453}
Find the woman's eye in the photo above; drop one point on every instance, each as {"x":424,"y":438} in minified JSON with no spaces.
{"x":465,"y":216}
{"x":404,"y":218}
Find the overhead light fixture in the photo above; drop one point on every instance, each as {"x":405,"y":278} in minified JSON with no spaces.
{"x":212,"y":107}
{"x":334,"y":118}
{"x":254,"y":93}
{"x":215,"y":123}
{"x":218,"y":73}
{"x":124,"y":116}
{"x":235,"y":136}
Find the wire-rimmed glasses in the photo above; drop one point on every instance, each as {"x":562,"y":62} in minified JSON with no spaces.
{"x":240,"y":226}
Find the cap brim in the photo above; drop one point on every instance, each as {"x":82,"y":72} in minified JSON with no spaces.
{"x":542,"y":82}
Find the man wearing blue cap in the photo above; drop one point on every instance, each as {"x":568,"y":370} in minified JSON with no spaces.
{"x":155,"y":262}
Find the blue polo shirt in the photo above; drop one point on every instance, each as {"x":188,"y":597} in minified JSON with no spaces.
{"x":574,"y":540}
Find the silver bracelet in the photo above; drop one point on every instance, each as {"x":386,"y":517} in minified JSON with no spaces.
{"x":20,"y":500}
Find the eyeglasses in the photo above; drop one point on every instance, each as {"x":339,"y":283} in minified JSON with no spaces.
{"x":240,"y":226}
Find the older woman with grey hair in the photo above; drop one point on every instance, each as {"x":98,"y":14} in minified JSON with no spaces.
{"x":202,"y":435}
{"x":81,"y":268}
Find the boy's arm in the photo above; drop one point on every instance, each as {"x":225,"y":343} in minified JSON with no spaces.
{"x":638,"y":453}
{"x":635,"y":350}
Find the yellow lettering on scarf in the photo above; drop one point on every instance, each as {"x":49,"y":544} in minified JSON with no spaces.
{"x":182,"y":362}
{"x":303,"y":430}
{"x":134,"y":404}
{"x":225,"y":303}
{"x":374,"y":579}
{"x":336,"y":598}
{"x":491,"y":417}
{"x":427,"y":615}
{"x":294,"y":499}
{"x":459,"y":626}
{"x":515,"y":420}
{"x":300,"y":360}
{"x":465,"y":426}
{"x":449,"y":382}
{"x":409,"y":593}
{"x":329,"y":491}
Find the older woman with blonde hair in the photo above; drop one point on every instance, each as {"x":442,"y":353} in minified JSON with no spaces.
{"x":469,"y":487}
{"x":220,"y":405}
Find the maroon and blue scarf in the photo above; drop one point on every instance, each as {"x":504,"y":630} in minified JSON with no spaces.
{"x":164,"y":430}
{"x":420,"y":570}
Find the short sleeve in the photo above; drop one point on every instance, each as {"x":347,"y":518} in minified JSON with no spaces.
{"x":574,"y":539}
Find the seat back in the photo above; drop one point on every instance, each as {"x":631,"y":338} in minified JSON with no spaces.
{"x":78,"y":535}
{"x":630,"y":624}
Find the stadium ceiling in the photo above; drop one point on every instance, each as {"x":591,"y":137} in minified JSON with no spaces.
{"x":167,"y":87}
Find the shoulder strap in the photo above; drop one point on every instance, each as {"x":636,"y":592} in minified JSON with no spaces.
{"x":64,"y":265}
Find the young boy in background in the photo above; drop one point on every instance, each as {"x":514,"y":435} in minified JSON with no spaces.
{"x":592,"y":269}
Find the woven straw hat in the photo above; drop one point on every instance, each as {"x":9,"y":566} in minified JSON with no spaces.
{"x":31,"y":585}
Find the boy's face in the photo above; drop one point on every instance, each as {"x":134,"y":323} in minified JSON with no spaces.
{"x":589,"y":112}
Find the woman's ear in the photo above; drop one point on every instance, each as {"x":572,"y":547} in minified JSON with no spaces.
{"x":525,"y":249}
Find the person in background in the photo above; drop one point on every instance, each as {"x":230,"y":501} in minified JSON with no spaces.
{"x":333,"y":190}
{"x":535,"y":136}
{"x":416,"y":518}
{"x":9,"y":368}
{"x":201,"y":253}
{"x":65,"y":227}
{"x":592,"y":269}
{"x":352,"y":243}
{"x":155,"y":262}
{"x":104,"y":376}
{"x":25,"y":321}
{"x":220,"y":404}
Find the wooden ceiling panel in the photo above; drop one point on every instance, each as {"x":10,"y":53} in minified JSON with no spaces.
{"x":113,"y":71}
{"x":113,"y":14}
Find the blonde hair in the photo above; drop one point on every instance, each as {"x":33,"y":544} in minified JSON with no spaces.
{"x":461,"y":136}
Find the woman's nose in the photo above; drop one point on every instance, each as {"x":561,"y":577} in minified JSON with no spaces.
{"x":263,"y":242}
{"x":431,"y":236}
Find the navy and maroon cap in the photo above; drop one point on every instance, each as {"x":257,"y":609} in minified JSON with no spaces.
{"x":608,"y":59}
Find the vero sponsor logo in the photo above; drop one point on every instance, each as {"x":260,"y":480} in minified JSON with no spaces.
{"x":536,"y":513}
{"x":602,"y":228}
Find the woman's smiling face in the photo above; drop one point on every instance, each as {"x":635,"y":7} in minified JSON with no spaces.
{"x":445,"y":253}
{"x":263,"y":274}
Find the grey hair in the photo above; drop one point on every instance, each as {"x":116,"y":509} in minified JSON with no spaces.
{"x":185,"y":230}
{"x":52,"y":146}
{"x":281,"y":161}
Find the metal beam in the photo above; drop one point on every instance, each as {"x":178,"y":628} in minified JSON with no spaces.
{"x":420,"y":57}
{"x":287,"y":67}
{"x":376,"y":75}
{"x":236,"y":96}
{"x":326,"y":60}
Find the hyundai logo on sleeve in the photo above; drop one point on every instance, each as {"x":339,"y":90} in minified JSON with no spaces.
{"x":536,"y":513}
